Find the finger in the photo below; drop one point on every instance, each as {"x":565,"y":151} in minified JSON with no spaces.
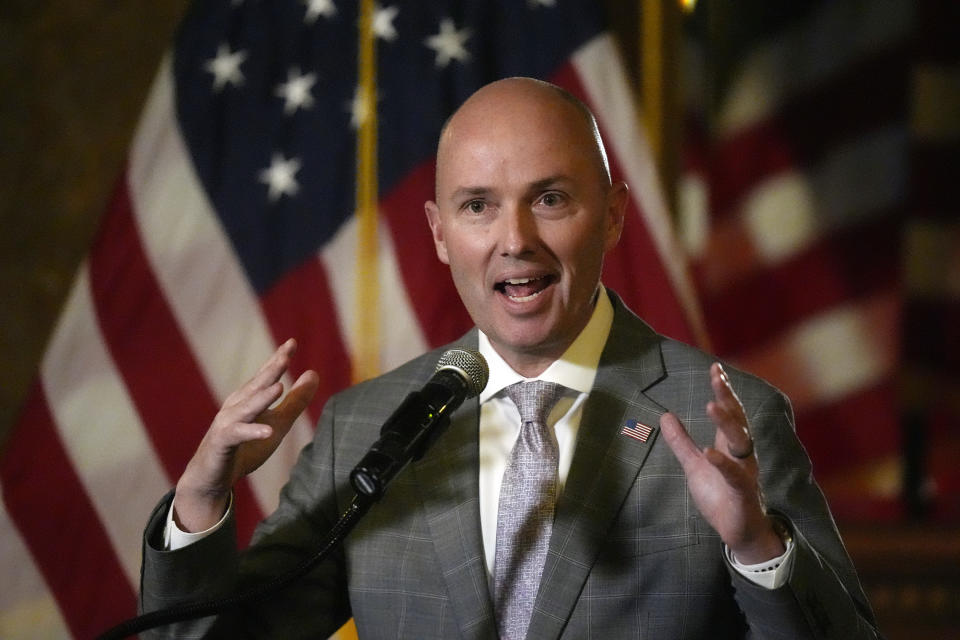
{"x":732,"y":426}
{"x":723,"y":393}
{"x":230,"y":437}
{"x":275,"y":366}
{"x":246,"y":408}
{"x":679,"y":441}
{"x":732,"y":472}
{"x":269,"y":372}
{"x":733,"y":435}
{"x":283,"y":351}
{"x":296,"y":400}
{"x":727,"y":412}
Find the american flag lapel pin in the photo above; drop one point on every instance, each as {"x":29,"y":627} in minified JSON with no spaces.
{"x":636,"y":430}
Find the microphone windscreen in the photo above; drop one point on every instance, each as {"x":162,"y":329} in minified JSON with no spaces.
{"x":471,"y":364}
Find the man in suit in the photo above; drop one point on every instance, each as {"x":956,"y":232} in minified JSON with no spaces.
{"x":685,"y":505}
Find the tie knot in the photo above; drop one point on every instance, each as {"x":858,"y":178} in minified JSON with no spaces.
{"x":535,"y":399}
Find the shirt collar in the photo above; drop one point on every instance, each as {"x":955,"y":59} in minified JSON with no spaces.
{"x":575,"y":369}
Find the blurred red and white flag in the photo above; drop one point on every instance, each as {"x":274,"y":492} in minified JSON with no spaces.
{"x":800,"y":178}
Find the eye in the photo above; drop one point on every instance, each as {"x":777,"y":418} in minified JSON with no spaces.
{"x":552,"y":199}
{"x":475,"y":206}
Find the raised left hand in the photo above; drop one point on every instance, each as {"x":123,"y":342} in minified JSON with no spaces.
{"x":723,"y":479}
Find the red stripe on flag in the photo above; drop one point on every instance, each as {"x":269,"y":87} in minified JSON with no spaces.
{"x":301,"y":306}
{"x":635,"y":269}
{"x":156,"y":363}
{"x":811,"y":125}
{"x":848,"y":264}
{"x":432,"y":295}
{"x":831,"y":442}
{"x":58,"y":523}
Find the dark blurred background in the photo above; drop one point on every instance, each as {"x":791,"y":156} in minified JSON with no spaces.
{"x":842,"y":118}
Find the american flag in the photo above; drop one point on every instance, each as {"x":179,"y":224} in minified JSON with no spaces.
{"x":234,"y":227}
{"x":636,"y":430}
{"x":800,"y":177}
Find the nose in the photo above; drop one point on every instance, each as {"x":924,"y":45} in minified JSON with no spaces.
{"x":519,"y":231}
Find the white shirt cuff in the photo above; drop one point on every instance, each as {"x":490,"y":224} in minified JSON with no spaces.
{"x":771,"y":574}
{"x":174,"y":538}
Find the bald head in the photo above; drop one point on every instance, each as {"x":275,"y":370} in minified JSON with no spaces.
{"x":526,"y":103}
{"x":524,"y":214}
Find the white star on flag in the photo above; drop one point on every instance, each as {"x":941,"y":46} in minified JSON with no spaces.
{"x":317,"y":8}
{"x":225,"y":67}
{"x":296,"y":90}
{"x":383,"y":22}
{"x":449,"y":43}
{"x":280,"y":177}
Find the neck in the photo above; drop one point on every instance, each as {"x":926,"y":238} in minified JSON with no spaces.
{"x":528,"y":365}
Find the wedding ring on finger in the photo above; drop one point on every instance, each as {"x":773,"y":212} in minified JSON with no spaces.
{"x":742,"y":455}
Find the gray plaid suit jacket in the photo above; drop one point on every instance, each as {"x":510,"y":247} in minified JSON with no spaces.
{"x":630,"y":556}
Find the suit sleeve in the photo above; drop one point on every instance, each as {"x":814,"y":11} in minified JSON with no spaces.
{"x":314,"y":606}
{"x":822,"y":597}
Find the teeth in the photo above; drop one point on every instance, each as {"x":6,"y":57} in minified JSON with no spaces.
{"x":519,"y":280}
{"x":525,"y":298}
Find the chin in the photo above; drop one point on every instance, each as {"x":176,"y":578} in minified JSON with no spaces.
{"x":534,"y":344}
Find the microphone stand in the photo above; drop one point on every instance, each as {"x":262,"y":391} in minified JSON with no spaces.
{"x":406,"y":435}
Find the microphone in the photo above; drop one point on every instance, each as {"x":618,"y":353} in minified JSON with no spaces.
{"x":460,"y":374}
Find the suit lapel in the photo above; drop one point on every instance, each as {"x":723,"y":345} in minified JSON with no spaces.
{"x":448,"y":480}
{"x":604,"y":468}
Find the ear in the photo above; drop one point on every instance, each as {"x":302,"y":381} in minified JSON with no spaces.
{"x":436,"y":228}
{"x":617,"y":200}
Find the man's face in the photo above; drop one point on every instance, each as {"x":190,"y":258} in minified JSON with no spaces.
{"x":524,"y":216}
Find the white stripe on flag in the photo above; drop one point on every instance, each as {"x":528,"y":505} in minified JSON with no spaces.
{"x":828,"y":356}
{"x":790,"y":211}
{"x":603,"y":77}
{"x":217,"y":309}
{"x":28,"y":611}
{"x":401,"y":337}
{"x":218,"y":312}
{"x":100,"y":428}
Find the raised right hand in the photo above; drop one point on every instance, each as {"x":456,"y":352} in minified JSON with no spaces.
{"x":244,"y":433}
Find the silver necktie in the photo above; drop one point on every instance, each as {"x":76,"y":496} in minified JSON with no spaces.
{"x":525,"y":512}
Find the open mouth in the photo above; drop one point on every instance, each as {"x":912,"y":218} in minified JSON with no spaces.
{"x":524,"y":289}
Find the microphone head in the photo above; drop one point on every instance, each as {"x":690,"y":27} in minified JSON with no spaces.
{"x":471,"y":364}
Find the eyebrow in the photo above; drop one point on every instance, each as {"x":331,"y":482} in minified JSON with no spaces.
{"x":538,"y":185}
{"x":549,"y":181}
{"x":469,"y":192}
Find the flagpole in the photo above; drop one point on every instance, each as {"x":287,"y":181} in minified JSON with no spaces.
{"x":659,"y":92}
{"x":366,"y":358}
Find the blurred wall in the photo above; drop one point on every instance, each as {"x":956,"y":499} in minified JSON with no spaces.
{"x":73,"y":78}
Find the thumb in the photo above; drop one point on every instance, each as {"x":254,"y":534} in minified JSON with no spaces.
{"x":679,"y":441}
